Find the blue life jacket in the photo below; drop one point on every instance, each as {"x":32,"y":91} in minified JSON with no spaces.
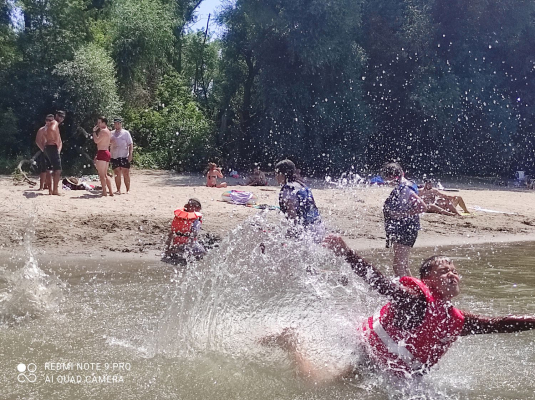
{"x":307,"y":212}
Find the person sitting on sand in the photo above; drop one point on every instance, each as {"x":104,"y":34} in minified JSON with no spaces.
{"x":257,"y":178}
{"x":441,"y":202}
{"x":182,"y":239}
{"x":415,"y":329}
{"x":296,"y":200}
{"x":213,"y":173}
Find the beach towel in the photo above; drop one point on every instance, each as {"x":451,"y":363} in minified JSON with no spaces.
{"x":477,"y":208}
{"x":239,"y":197}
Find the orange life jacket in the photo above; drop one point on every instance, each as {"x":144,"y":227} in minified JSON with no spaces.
{"x":182,"y":223}
{"x":407,"y":352}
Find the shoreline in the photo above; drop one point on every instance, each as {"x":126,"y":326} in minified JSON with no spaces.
{"x":135,"y":225}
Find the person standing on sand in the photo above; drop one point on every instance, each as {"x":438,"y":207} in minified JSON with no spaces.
{"x":214,"y":172}
{"x":42,"y":162}
{"x":53,"y":146}
{"x":121,"y":147}
{"x":102,"y":137}
{"x":401,"y":213}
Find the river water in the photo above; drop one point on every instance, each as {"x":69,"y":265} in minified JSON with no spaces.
{"x":127,"y":329}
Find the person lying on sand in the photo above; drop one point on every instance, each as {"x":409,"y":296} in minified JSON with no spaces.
{"x":440,"y":203}
{"x":415,"y":329}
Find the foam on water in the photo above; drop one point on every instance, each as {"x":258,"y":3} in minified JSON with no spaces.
{"x":226,"y":304}
{"x":28,"y":292}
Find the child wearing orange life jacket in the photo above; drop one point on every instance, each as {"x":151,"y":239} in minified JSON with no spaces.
{"x":182,"y":239}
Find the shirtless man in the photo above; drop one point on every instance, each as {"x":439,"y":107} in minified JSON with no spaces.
{"x":213,"y":173}
{"x":102,"y":137}
{"x":53,"y":145}
{"x":42,"y":161}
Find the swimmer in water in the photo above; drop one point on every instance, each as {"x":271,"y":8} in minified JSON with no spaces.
{"x":415,"y":329}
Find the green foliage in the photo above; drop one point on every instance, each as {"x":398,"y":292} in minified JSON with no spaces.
{"x":142,"y":40}
{"x":174,"y":133}
{"x":89,"y":85}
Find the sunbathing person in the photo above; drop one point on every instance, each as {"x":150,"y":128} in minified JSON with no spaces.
{"x":415,"y":329}
{"x":437,"y":202}
{"x":213,"y":173}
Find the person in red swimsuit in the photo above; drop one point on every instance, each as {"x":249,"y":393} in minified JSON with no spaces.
{"x":102,"y":136}
{"x":415,"y":329}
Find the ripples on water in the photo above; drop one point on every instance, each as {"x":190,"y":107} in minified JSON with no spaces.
{"x":193,"y":332}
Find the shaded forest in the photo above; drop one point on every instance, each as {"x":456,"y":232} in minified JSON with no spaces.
{"x":443,"y":86}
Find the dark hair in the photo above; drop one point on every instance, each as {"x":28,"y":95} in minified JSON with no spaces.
{"x":61,"y":113}
{"x":287,"y":168}
{"x":392,"y":170}
{"x":193,"y":203}
{"x":103,"y":119}
{"x":428,"y":264}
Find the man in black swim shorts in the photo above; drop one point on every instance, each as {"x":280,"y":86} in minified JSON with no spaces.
{"x":121,"y":148}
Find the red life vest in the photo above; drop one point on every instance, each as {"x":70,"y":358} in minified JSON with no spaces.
{"x":182,"y":223}
{"x":414,"y":351}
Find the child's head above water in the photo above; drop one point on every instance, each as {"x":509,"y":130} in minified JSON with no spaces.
{"x":193,"y":205}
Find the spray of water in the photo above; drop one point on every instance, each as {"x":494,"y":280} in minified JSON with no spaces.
{"x":28,"y":292}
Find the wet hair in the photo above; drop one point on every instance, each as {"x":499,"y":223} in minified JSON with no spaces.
{"x":428,"y":264}
{"x":192,"y":203}
{"x":392,"y":170}
{"x":211,"y":165}
{"x":288,"y":169}
{"x":49,"y":116}
{"x":103,"y":119}
{"x":60,"y":113}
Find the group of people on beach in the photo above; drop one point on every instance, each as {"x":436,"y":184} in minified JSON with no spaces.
{"x":115,"y":147}
{"x":418,"y":324}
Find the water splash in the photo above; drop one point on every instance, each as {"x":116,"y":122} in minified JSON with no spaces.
{"x":28,"y":292}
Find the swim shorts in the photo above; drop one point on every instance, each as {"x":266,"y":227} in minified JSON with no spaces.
{"x":403,"y":232}
{"x":52,"y":153}
{"x":43,"y":165}
{"x":120,"y":163}
{"x":103,"y":155}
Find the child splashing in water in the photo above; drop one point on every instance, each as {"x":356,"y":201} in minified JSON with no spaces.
{"x":412,"y":332}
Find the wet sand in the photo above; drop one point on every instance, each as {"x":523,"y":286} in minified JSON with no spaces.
{"x":135,"y":225}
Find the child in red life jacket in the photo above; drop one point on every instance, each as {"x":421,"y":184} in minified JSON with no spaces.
{"x":415,"y":329}
{"x":182,"y":239}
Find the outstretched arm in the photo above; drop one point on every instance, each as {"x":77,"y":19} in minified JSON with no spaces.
{"x":476,"y":324}
{"x":369,"y":273}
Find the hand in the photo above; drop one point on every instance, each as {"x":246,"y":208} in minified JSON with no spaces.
{"x":337,"y":245}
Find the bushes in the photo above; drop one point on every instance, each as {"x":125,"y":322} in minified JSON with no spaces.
{"x":174,"y":133}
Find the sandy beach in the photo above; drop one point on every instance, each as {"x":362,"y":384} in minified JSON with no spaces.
{"x":84,"y":223}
